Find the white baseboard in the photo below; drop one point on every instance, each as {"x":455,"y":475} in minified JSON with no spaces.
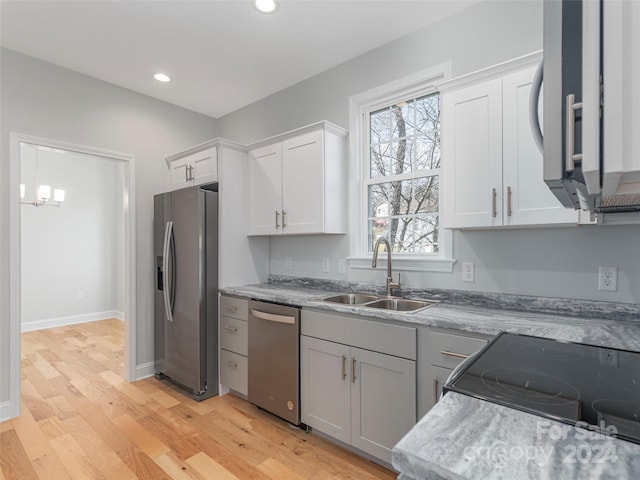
{"x":145,"y":370}
{"x":9,"y":410}
{"x":71,"y":320}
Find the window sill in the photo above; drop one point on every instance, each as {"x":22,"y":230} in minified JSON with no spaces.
{"x":407,"y":264}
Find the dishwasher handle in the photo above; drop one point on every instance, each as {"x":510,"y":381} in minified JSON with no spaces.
{"x":271,"y":317}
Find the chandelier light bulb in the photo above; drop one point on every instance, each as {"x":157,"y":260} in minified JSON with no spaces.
{"x":44,"y":192}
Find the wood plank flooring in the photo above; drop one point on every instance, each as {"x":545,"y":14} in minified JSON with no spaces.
{"x":81,"y":420}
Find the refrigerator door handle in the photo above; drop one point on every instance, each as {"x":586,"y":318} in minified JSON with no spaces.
{"x":168,"y":231}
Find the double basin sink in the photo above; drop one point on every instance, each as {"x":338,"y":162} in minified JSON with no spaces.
{"x":383,"y":303}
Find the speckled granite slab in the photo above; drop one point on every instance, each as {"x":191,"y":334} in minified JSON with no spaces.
{"x":525,"y":303}
{"x":624,"y":334}
{"x":465,"y":438}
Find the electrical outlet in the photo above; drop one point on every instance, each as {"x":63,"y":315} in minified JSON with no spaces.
{"x":287,"y":263}
{"x":608,"y":278}
{"x":80,"y":295}
{"x":468,"y":272}
{"x":342,"y":266}
{"x":325,"y":265}
{"x":608,"y":357}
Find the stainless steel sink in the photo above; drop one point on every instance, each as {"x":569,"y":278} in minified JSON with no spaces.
{"x":400,"y":304}
{"x":350,"y":298}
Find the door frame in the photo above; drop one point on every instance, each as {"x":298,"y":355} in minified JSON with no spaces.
{"x":12,"y":409}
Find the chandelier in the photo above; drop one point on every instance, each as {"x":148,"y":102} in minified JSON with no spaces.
{"x":42,"y":192}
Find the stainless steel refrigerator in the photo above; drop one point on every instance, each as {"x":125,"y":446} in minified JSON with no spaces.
{"x":186,"y":288}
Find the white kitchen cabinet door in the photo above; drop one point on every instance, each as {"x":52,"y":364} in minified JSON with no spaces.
{"x":383,"y":401}
{"x":527,"y":198}
{"x":179,"y":173}
{"x":194,"y":169}
{"x":204,"y":166}
{"x":472,"y":155}
{"x":435,"y":379}
{"x":325,"y":387}
{"x":265,"y":190}
{"x":303,"y":179}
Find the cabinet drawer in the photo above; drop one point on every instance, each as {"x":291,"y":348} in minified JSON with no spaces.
{"x":234,"y":307}
{"x":233,"y":335}
{"x":448,"y":350}
{"x":233,"y":371}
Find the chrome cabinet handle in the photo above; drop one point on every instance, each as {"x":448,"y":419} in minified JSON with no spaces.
{"x":277,"y":217}
{"x":353,"y":369}
{"x":231,"y":309}
{"x":435,"y":390}
{"x":508,"y":201}
{"x":494,"y":207}
{"x":344,"y":367}
{"x":231,"y":364}
{"x":284,"y":218}
{"x":570,"y":147}
{"x":453,"y":354}
{"x":231,"y":329}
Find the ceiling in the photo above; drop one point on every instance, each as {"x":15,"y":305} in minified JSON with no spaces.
{"x":221,"y":55}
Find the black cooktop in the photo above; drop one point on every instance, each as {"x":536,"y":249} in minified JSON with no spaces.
{"x":585,"y":385}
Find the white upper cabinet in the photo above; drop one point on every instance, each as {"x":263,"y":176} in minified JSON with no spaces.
{"x":193,"y":169}
{"x":492,"y":169}
{"x":297,"y":182}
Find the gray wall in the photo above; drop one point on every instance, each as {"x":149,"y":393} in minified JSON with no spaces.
{"x":47,"y":101}
{"x":554,"y":262}
{"x":71,"y":257}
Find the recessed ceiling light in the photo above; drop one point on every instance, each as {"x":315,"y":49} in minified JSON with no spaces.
{"x":161,"y":77}
{"x":265,"y":6}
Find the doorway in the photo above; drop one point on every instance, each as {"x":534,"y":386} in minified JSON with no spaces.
{"x":124,"y":166}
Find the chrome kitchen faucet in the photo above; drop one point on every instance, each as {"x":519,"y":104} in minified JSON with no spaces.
{"x":390,"y":283}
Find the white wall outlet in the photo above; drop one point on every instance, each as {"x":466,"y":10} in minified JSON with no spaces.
{"x":468,"y":272}
{"x":80,"y":295}
{"x":342,"y":266}
{"x":608,"y":278}
{"x":325,"y":265}
{"x":287,"y":263}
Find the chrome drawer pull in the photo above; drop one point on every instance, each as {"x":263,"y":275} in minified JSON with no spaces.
{"x":231,"y":364}
{"x":231,"y":309}
{"x":353,"y":369}
{"x":231,"y":329}
{"x":435,"y":390}
{"x":453,"y":354}
{"x":344,"y":367}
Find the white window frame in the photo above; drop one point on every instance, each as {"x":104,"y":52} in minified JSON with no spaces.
{"x":412,"y":86}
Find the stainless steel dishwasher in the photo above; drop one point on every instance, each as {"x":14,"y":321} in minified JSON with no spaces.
{"x":274,"y":359}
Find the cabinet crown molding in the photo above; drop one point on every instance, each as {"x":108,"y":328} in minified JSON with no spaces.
{"x":494,"y":71}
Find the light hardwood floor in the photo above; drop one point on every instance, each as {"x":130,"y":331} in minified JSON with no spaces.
{"x":81,"y":420}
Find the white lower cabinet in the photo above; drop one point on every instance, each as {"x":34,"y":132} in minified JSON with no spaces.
{"x":440,"y":351}
{"x":361,"y":397}
{"x":234,"y":349}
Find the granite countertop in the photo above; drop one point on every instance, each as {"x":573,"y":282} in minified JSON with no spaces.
{"x":465,"y":438}
{"x":615,"y":333}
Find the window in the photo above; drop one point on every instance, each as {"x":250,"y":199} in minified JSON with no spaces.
{"x":402,"y":178}
{"x":395,"y":139}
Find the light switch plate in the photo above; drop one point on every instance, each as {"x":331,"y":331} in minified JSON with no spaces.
{"x":325,"y":265}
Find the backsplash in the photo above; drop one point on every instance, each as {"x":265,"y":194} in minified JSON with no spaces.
{"x":554,"y":306}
